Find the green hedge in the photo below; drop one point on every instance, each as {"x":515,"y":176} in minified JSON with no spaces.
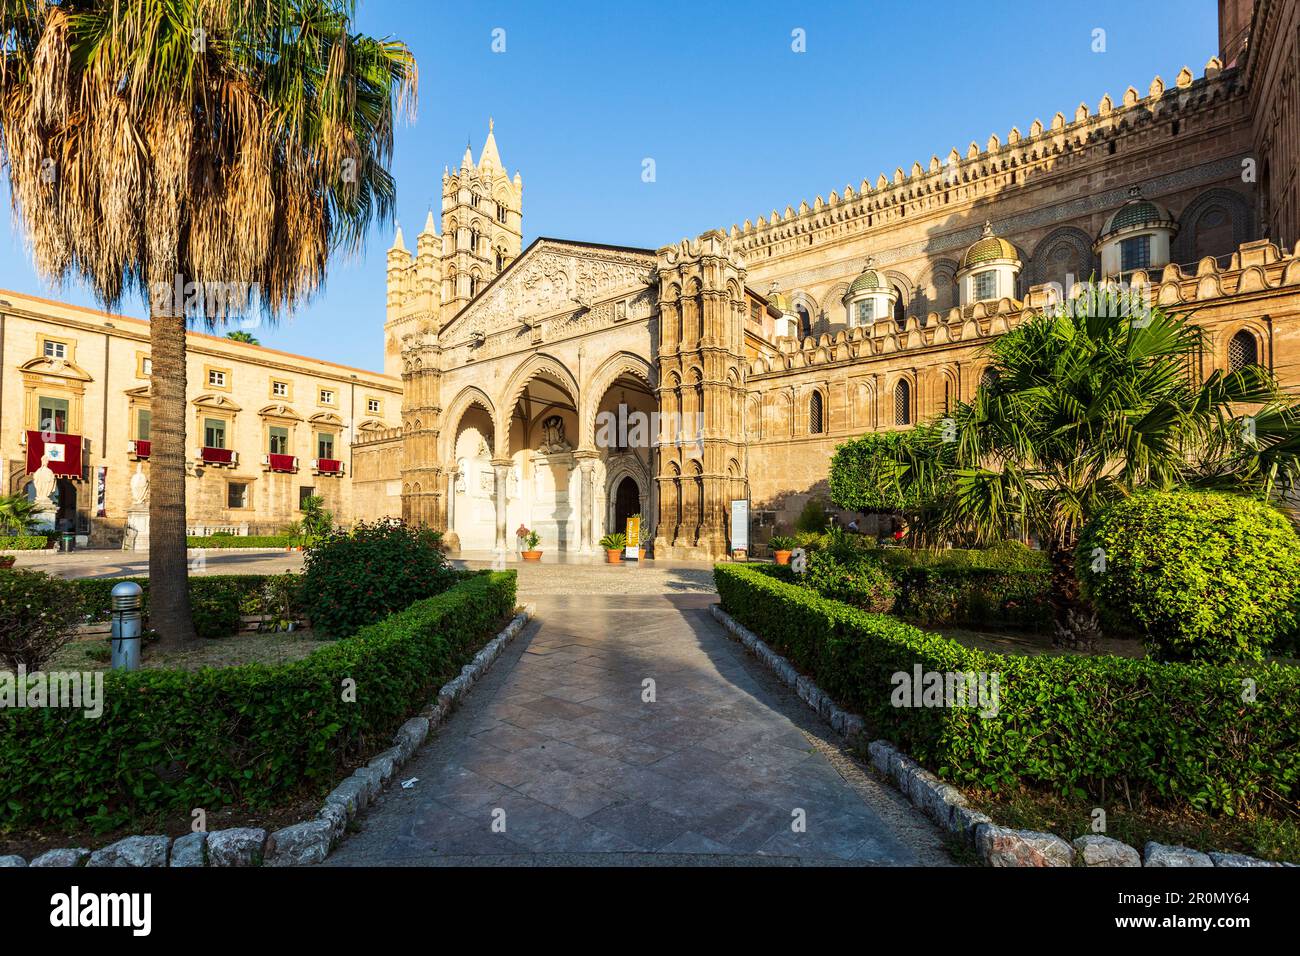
{"x":216,"y":599}
{"x":23,"y":542}
{"x":1180,"y":734}
{"x":253,"y":735}
{"x":226,"y":541}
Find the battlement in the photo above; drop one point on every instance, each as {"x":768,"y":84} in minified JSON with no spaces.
{"x":1255,"y":267}
{"x":997,"y":163}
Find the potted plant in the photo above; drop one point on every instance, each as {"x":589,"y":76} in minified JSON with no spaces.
{"x":531,"y":540}
{"x":781,"y":546}
{"x":613,"y":545}
{"x":6,"y":561}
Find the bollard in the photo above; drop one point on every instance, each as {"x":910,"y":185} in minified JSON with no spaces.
{"x":125,"y":634}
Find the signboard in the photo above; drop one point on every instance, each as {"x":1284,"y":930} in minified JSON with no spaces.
{"x":101,"y":480}
{"x":633,"y":549}
{"x":740,"y":524}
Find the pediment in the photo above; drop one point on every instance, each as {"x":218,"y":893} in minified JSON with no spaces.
{"x":280,"y":410}
{"x":326,"y":418}
{"x":557,"y":280}
{"x":216,"y":401}
{"x":60,"y":368}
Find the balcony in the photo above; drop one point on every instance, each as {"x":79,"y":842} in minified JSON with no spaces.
{"x":326,"y":466}
{"x":217,"y":457}
{"x":282,"y":463}
{"x":138,"y":449}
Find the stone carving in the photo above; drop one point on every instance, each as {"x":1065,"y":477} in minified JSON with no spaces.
{"x":553,"y":440}
{"x":460,"y":475}
{"x":43,"y":480}
{"x":139,"y":487}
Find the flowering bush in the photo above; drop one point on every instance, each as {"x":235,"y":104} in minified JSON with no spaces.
{"x":38,"y":614}
{"x":350,"y":580}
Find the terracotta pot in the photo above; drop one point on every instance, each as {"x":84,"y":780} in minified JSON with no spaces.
{"x":613,"y":555}
{"x":7,"y":560}
{"x":532,"y":555}
{"x":782,"y":557}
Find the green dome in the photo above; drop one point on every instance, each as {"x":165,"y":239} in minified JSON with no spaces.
{"x":779,"y":300}
{"x":1135,"y":214}
{"x":988,"y":248}
{"x":870,"y":281}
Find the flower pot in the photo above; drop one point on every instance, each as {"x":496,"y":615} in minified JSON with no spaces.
{"x":782,"y":557}
{"x":7,"y":561}
{"x":532,"y":555}
{"x":613,"y":555}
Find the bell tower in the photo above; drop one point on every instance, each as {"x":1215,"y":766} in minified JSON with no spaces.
{"x":482,"y":224}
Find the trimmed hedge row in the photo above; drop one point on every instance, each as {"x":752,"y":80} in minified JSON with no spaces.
{"x":1181,"y":734}
{"x":24,"y":542}
{"x":226,"y":541}
{"x":251,"y":735}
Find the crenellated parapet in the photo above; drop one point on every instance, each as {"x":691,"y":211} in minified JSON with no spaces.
{"x":984,"y":172}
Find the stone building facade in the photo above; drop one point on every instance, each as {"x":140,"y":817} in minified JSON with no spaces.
{"x":761,"y":347}
{"x":265,"y":428}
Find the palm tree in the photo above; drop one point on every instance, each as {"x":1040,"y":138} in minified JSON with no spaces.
{"x":17,"y":513}
{"x":241,"y":336}
{"x":1082,"y":407}
{"x":208,"y":154}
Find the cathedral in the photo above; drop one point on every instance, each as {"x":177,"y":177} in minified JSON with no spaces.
{"x":753,"y":350}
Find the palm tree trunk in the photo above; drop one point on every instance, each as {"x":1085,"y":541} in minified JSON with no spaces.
{"x":169,"y":593}
{"x":1074,"y":623}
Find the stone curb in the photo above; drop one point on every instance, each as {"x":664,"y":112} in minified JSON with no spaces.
{"x":947,"y":806}
{"x":308,"y":841}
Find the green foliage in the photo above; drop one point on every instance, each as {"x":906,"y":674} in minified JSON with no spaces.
{"x":781,"y":542}
{"x":1177,"y":734}
{"x":228,"y":541}
{"x":38,"y":615}
{"x":615,"y":541}
{"x":17,"y":514}
{"x":812,"y":519}
{"x":356,"y":579}
{"x":217,"y":599}
{"x":24,"y":542}
{"x":863,"y":474}
{"x":1197,"y":575}
{"x":316,"y":521}
{"x":254,"y":735}
{"x":531,"y":540}
{"x":1007,"y":556}
{"x":863,"y":582}
{"x":956,"y":596}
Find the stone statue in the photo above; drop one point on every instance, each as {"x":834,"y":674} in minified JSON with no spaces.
{"x":553,"y":440}
{"x":43,"y":481}
{"x":460,"y":475}
{"x":139,"y":487}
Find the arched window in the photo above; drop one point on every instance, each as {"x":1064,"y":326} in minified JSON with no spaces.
{"x":902,"y":403}
{"x":988,"y":378}
{"x":805,"y":323}
{"x":816,"y":418}
{"x":947,"y":396}
{"x":473,"y":285}
{"x":501,"y":260}
{"x":501,"y":211}
{"x":473,"y":239}
{"x":1243,"y":350}
{"x":473,"y":199}
{"x":900,"y":308}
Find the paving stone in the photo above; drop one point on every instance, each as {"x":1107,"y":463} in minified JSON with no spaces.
{"x":237,"y":846}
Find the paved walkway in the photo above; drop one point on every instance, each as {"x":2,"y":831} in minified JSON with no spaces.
{"x":557,"y":745}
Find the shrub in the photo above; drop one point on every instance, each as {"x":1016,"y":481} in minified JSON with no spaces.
{"x":1174,"y":733}
{"x":356,"y":579}
{"x":963,"y":596}
{"x":863,"y":582}
{"x":24,"y":542}
{"x":781,"y":542}
{"x":38,"y":615}
{"x":1198,"y":576}
{"x":217,"y":599}
{"x":253,"y":735}
{"x":614,"y":542}
{"x":242,"y":541}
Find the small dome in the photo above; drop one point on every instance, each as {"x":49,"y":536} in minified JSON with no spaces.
{"x":778,"y":299}
{"x":988,"y":248}
{"x":871,"y":280}
{"x":1137,"y":213}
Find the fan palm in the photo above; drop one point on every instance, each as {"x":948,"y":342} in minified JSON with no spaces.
{"x":1085,"y":406}
{"x":208,"y":154}
{"x":17,"y":513}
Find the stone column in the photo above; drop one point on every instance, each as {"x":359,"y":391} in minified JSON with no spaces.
{"x":501,"y":468}
{"x":587,"y":489}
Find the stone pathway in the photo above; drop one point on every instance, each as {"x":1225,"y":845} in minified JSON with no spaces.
{"x":557,"y":745}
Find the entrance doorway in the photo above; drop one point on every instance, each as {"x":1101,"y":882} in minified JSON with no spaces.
{"x":627,"y":502}
{"x":65,"y":497}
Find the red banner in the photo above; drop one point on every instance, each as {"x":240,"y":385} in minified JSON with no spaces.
{"x":64,"y":452}
{"x":283,"y":462}
{"x":217,"y":456}
{"x":329,"y":466}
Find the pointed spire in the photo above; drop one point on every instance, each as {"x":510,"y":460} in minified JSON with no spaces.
{"x":430,"y":226}
{"x":489,"y":158}
{"x":398,"y":245}
{"x":467,"y":161}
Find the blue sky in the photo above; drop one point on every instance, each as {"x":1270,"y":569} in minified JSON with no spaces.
{"x":737,"y":123}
